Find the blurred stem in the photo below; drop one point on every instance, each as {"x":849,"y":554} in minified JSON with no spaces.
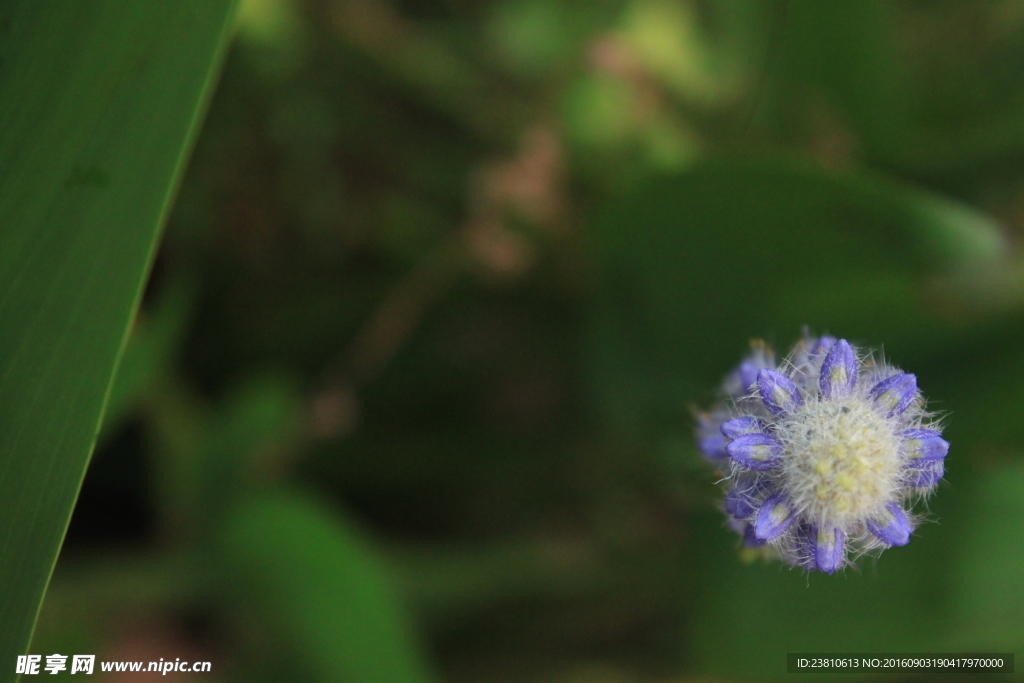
{"x":429,"y":66}
{"x":398,"y":315}
{"x":110,"y":587}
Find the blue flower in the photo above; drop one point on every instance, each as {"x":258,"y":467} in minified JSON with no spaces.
{"x":737,"y":384}
{"x":825,"y":452}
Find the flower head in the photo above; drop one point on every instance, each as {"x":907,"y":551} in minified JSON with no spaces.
{"x":825,"y":452}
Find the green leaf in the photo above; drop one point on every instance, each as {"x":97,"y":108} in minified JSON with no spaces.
{"x":307,"y":581}
{"x":99,"y":103}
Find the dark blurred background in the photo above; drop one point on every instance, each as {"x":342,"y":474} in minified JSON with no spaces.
{"x":410,"y":396}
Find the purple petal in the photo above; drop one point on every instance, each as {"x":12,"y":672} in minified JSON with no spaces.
{"x":895,"y":394}
{"x":750,"y":538}
{"x":821,"y":345}
{"x":828,"y":548}
{"x":778,"y":393}
{"x":757,"y":451}
{"x":760,"y":358}
{"x":741,"y":500}
{"x":924,"y":444}
{"x":839,"y":371}
{"x":709,"y":437}
{"x":713,"y":448}
{"x":748,"y":375}
{"x":926,"y":475}
{"x":740,"y":426}
{"x":774,"y":518}
{"x":891,"y":526}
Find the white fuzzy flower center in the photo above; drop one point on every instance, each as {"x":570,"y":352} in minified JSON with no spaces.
{"x":841,"y":461}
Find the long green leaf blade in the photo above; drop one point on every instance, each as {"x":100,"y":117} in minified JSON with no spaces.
{"x":99,"y":102}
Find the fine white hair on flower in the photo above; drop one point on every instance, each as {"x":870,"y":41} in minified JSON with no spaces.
{"x":823,"y":454}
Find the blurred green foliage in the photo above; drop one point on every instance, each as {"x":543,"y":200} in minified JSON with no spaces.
{"x":409,"y":397}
